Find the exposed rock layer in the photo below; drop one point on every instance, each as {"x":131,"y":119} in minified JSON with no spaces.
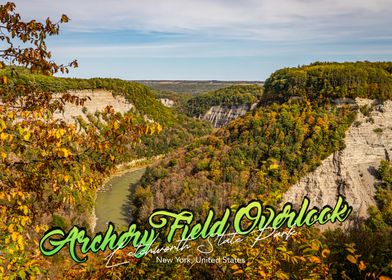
{"x":351,"y":171}
{"x":167,"y":102}
{"x":220,"y":116}
{"x":99,"y":99}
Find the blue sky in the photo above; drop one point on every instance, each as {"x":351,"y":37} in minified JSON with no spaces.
{"x":212,"y":39}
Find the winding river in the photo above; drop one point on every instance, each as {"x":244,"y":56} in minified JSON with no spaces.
{"x":111,"y":202}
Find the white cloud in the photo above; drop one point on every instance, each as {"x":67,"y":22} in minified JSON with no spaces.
{"x":213,"y":38}
{"x":256,"y":19}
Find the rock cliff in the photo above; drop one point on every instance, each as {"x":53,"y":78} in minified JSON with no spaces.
{"x":167,"y":102}
{"x":220,"y":116}
{"x":351,"y":171}
{"x":99,"y":99}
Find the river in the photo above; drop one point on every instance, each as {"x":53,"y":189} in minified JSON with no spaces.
{"x":111,"y":202}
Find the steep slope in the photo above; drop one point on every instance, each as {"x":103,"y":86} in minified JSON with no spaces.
{"x":258,"y":155}
{"x":222,"y":115}
{"x":262,"y":154}
{"x":98,"y":100}
{"x":178,"y":129}
{"x":224,"y":105}
{"x":351,"y":171}
{"x":167,"y":102}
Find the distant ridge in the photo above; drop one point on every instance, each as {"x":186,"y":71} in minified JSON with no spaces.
{"x":200,"y":81}
{"x":193,"y":86}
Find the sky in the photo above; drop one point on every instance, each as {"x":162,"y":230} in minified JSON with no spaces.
{"x":212,"y":39}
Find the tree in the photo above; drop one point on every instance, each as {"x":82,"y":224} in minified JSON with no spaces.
{"x":47,"y":166}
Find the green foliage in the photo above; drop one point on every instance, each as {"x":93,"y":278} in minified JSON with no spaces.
{"x":385,"y":171}
{"x":178,"y":98}
{"x":191,"y":87}
{"x":384,"y":196}
{"x":58,"y":221}
{"x":373,"y":238}
{"x":178,"y":129}
{"x":226,"y":97}
{"x":321,"y":81}
{"x":262,"y":153}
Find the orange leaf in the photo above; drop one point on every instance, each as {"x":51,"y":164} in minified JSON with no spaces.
{"x":352,"y":259}
{"x":362,"y":266}
{"x":315,"y":259}
{"x":325,"y":253}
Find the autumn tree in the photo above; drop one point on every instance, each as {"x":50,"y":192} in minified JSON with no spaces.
{"x":47,"y":166}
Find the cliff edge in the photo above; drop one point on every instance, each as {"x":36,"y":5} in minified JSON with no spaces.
{"x":351,"y":172}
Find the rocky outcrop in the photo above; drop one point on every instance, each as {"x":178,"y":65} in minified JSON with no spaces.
{"x":351,"y":171}
{"x":99,"y":99}
{"x":220,"y":116}
{"x":167,"y":102}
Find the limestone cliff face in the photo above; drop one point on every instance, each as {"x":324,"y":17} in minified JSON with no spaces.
{"x":351,"y":171}
{"x":167,"y":102}
{"x":99,"y":99}
{"x":220,"y":116}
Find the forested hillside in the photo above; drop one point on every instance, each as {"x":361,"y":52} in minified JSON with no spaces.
{"x":177,"y":129}
{"x":260,"y":155}
{"x":257,"y":156}
{"x":225,"y":97}
{"x":325,"y":81}
{"x":192,"y":87}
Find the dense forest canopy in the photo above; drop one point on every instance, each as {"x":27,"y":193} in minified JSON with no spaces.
{"x":192,"y":87}
{"x":255,"y":156}
{"x":325,"y":81}
{"x":225,"y":97}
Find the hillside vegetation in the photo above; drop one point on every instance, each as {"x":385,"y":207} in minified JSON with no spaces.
{"x":257,"y":156}
{"x":178,"y":129}
{"x":322,"y":81}
{"x":192,"y":87}
{"x":260,"y":155}
{"x":225,"y":97}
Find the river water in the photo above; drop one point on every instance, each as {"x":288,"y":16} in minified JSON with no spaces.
{"x":111,"y":203}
